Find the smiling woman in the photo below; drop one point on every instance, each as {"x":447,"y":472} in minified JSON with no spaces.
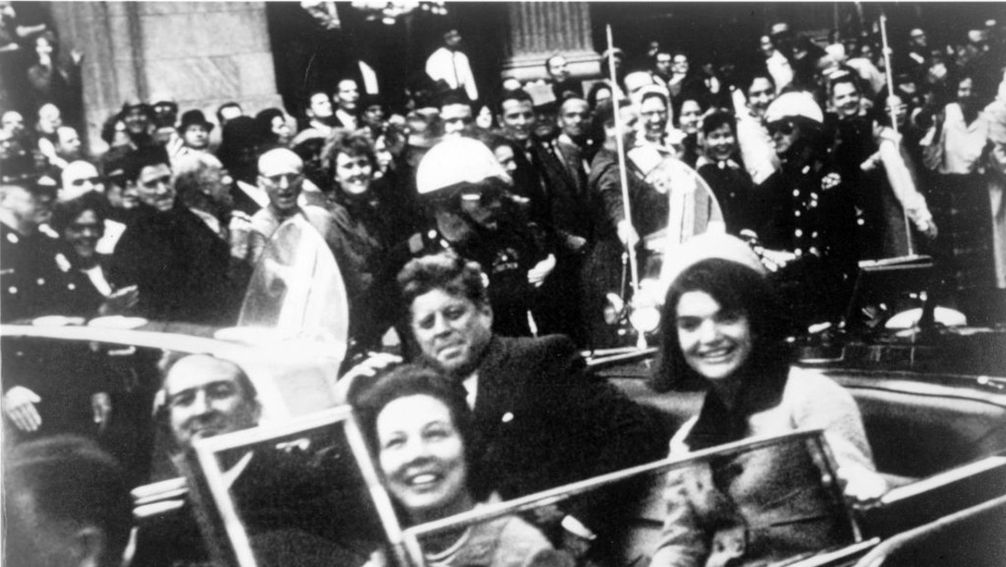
{"x":418,"y":425}
{"x":722,"y":331}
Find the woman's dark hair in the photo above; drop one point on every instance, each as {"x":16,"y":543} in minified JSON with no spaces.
{"x":444,"y":271}
{"x":353,"y":144}
{"x":847,"y":77}
{"x":696,"y":98}
{"x":264,"y":121}
{"x":108,"y":128}
{"x":65,"y":212}
{"x":417,"y":380}
{"x":716,"y":119}
{"x":595,"y":89}
{"x":736,"y":288}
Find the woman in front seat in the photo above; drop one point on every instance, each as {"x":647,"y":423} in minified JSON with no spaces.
{"x":722,"y":331}
{"x":418,"y":425}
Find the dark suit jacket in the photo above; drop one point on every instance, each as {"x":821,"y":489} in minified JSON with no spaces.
{"x":566,"y":194}
{"x":544,"y":421}
{"x":299,"y":509}
{"x":183,"y":270}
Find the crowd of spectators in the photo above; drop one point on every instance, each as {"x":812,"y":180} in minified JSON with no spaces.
{"x":814,"y":157}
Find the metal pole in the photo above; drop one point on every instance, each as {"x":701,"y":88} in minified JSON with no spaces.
{"x":620,"y":144}
{"x":894,"y":117}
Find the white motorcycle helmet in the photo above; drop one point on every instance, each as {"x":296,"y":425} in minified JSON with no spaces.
{"x":797,"y":104}
{"x":456,"y":163}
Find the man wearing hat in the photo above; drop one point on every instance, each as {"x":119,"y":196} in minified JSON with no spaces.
{"x":35,"y":277}
{"x":165,"y":110}
{"x":195,"y":130}
{"x":138,"y":117}
{"x":809,"y":209}
{"x":475,"y":215}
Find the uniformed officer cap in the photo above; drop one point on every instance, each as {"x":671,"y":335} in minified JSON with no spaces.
{"x":45,"y":184}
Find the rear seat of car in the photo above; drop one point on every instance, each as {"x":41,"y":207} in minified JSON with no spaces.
{"x":921,"y":425}
{"x":917,"y":426}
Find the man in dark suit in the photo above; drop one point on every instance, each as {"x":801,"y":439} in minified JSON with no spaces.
{"x":543,"y":420}
{"x":298,"y":507}
{"x":558,"y":205}
{"x":347,"y":102}
{"x":178,"y":255}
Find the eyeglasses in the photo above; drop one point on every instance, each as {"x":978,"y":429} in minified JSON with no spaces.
{"x":278,"y":179}
{"x":784,"y":127}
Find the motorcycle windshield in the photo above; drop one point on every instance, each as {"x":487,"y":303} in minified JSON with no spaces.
{"x":692,"y":208}
{"x":296,"y":288}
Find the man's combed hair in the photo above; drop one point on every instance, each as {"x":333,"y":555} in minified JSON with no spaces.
{"x":444,"y":271}
{"x":64,"y":479}
{"x":144,"y":157}
{"x":520,"y":95}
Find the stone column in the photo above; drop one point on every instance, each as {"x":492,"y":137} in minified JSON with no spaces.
{"x":537,"y":30}
{"x":200,"y":54}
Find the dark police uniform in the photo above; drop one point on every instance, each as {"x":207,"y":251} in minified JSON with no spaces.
{"x":37,"y":278}
{"x":505,"y":255}
{"x":810,"y":211}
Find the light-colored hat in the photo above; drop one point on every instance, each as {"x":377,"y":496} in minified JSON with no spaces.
{"x":637,"y":80}
{"x":793,"y":105}
{"x":708,"y":246}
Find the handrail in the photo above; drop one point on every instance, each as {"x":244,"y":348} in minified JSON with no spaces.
{"x":838,"y":556}
{"x":558,"y":494}
{"x":635,"y":354}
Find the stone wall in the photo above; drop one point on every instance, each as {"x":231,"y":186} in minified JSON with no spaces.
{"x":201,"y":54}
{"x":537,"y":30}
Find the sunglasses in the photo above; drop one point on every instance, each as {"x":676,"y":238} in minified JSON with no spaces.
{"x":483,"y":198}
{"x":784,"y":127}
{"x":83,"y":180}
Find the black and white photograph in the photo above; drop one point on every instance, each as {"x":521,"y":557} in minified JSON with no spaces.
{"x":425,"y":283}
